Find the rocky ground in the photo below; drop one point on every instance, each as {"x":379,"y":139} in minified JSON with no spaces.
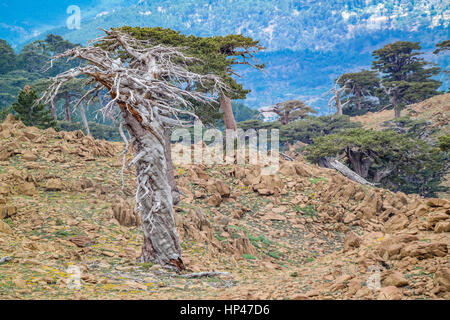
{"x":305,"y":233}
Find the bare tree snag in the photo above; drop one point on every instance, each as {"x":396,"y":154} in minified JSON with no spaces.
{"x":344,"y":170}
{"x":393,"y":92}
{"x":149,"y":87}
{"x":228,"y":116}
{"x":6,"y":259}
{"x":205,"y":275}
{"x":84,"y":119}
{"x":67,"y":113}
{"x":337,"y":97}
{"x":53,"y":110}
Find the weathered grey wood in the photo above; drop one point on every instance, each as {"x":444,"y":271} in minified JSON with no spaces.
{"x":84,"y":119}
{"x":346,"y":171}
{"x":154,"y":196}
{"x":286,"y":157}
{"x":5,"y":259}
{"x":204,"y":274}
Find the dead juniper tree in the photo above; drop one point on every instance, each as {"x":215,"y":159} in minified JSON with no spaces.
{"x":150,"y":92}
{"x":395,"y":90}
{"x":337,"y":97}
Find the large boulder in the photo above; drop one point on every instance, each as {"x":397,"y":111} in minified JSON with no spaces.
{"x":28,"y":155}
{"x":27,"y":188}
{"x":5,"y":189}
{"x":219,"y":187}
{"x":125,"y":213}
{"x":435,"y":203}
{"x":7,"y":211}
{"x":371,"y":204}
{"x":390,"y":293}
{"x":5,"y":228}
{"x":269,"y":185}
{"x":443,"y":226}
{"x":352,"y":241}
{"x":394,"y":278}
{"x":422,"y":250}
{"x":54,"y":184}
{"x":442,"y":278}
{"x":396,"y":223}
{"x":242,"y":245}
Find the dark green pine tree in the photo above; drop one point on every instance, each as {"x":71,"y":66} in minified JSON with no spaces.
{"x":8,"y":58}
{"x":443,"y":46}
{"x":32,"y":114}
{"x":361,"y":86}
{"x":406,"y":76}
{"x":218,"y":54}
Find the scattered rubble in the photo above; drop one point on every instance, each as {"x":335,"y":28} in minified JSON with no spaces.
{"x":303,"y":233}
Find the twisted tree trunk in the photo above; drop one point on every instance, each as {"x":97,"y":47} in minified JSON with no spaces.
{"x":67,"y":114}
{"x":360,"y":164}
{"x":154,"y":195}
{"x":228,"y":116}
{"x":397,"y":107}
{"x":284,"y":117}
{"x":53,"y":110}
{"x":358,"y":101}
{"x":338,"y":105}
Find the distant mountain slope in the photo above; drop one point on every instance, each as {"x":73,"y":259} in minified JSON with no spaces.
{"x":284,"y":24}
{"x":309,"y":43}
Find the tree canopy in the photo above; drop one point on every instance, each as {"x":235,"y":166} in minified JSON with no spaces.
{"x":406,"y":76}
{"x":30,"y":112}
{"x":8,"y":58}
{"x":361,"y":90}
{"x":442,"y":47}
{"x":292,"y":110}
{"x":37,"y":56}
{"x":397,"y":161}
{"x":216,"y":54}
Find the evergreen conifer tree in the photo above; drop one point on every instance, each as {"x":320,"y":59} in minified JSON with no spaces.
{"x":30,"y":113}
